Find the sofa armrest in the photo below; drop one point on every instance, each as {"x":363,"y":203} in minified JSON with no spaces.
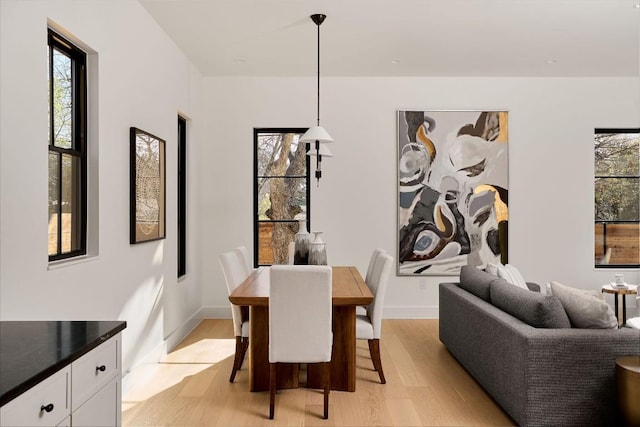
{"x":572,"y":371}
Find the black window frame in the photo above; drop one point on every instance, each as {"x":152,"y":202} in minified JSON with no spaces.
{"x":78,"y":138}
{"x":256,"y":177}
{"x":605,"y":222}
{"x":182,"y":196}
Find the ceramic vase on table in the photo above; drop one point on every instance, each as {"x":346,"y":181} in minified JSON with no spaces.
{"x":318,"y":252}
{"x":302,"y":245}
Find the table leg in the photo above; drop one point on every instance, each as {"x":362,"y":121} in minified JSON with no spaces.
{"x":259,"y":355}
{"x":624,"y":309}
{"x":616,"y":297}
{"x":343,"y":356}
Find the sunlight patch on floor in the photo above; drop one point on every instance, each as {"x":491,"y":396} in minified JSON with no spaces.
{"x":150,"y":379}
{"x":204,"y":351}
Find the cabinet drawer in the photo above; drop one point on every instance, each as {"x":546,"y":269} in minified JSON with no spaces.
{"x":30,"y":408}
{"x":93,"y":370}
{"x":101,"y":410}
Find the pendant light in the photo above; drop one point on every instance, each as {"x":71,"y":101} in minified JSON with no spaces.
{"x":317,"y":134}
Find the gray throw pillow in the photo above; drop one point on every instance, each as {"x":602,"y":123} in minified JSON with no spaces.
{"x":535,"y":309}
{"x":585,"y":308}
{"x":476,"y":281}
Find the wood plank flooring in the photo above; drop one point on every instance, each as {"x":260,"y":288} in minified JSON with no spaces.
{"x":425,"y":386}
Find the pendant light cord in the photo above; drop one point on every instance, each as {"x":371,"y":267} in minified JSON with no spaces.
{"x":318,"y":110}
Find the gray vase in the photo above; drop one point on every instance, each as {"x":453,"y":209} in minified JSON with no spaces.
{"x":302,"y":244}
{"x":318,"y":253}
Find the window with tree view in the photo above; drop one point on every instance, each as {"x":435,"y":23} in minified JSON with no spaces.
{"x":617,"y":197}
{"x":281,"y":193}
{"x":67,"y":148}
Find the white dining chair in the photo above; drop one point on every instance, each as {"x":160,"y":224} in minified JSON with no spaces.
{"x":235,"y":272}
{"x":369,"y":325}
{"x":372,"y":263}
{"x":245,"y":257}
{"x":367,"y":278}
{"x":300,"y":321}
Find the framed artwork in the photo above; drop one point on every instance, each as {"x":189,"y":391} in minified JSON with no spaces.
{"x":452,"y":190}
{"x":148,"y":186}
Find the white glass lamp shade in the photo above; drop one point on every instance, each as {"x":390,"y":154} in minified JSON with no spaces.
{"x":316,"y":133}
{"x":324,"y":151}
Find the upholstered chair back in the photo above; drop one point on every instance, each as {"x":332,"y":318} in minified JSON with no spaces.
{"x":378,"y":286}
{"x":300,"y":314}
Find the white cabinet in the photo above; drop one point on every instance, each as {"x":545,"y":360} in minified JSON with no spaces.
{"x":101,"y":410}
{"x":66,"y":422}
{"x":45,"y":404}
{"x":96,"y":387}
{"x":86,"y":393}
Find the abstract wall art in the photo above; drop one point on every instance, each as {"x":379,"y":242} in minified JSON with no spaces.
{"x":452,"y":190}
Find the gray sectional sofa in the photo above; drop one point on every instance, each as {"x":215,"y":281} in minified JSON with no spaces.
{"x":549,"y":375}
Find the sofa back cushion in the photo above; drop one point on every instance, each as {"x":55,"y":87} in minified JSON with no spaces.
{"x":476,"y":281}
{"x":533,"y":308}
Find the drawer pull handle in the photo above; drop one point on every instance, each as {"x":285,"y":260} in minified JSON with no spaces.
{"x":100,"y":368}
{"x":47,"y":408}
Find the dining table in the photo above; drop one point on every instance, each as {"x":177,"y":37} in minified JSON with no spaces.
{"x":349,"y":290}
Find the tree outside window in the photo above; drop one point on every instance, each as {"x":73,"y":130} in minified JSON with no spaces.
{"x":617,"y":197}
{"x":67,"y":147}
{"x":281,"y":194}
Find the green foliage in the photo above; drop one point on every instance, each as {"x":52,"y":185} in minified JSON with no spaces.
{"x":617,"y":170}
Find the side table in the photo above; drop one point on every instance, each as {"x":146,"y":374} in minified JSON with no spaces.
{"x":628,"y":389}
{"x":620,"y":293}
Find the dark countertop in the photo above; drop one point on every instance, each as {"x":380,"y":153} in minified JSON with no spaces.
{"x":31,"y":351}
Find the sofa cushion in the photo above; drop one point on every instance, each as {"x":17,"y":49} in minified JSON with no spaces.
{"x":533,"y":308}
{"x":476,"y":281}
{"x":585,"y":308}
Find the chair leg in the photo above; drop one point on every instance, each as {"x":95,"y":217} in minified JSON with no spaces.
{"x":245,"y":346}
{"x":237,"y":359}
{"x":272,"y":390}
{"x":326,"y":379}
{"x":374,"y":350}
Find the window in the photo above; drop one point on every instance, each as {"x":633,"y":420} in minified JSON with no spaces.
{"x":281,"y":192}
{"x":182,"y":196}
{"x":67,"y":149}
{"x":617,"y":198}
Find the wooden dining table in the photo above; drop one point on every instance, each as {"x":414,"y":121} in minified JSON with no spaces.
{"x":348,"y":291}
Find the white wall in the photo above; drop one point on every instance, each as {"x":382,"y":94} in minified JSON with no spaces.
{"x":550,"y":168}
{"x":144,"y":80}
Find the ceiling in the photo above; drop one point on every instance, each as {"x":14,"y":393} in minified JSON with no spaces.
{"x":406,"y":37}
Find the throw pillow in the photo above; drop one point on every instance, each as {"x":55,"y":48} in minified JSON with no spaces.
{"x":476,"y":281}
{"x":517,"y":276}
{"x":634,"y":322}
{"x":586,"y":309}
{"x":512,"y":275}
{"x":492,"y":269}
{"x":533,"y":308}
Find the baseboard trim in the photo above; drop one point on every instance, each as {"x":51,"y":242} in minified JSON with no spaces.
{"x":213,"y":312}
{"x":165,"y":346}
{"x":224,"y":312}
{"x":180,"y":333}
{"x":417,"y":312}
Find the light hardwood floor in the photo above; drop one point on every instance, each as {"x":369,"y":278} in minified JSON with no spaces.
{"x":425,"y":387}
